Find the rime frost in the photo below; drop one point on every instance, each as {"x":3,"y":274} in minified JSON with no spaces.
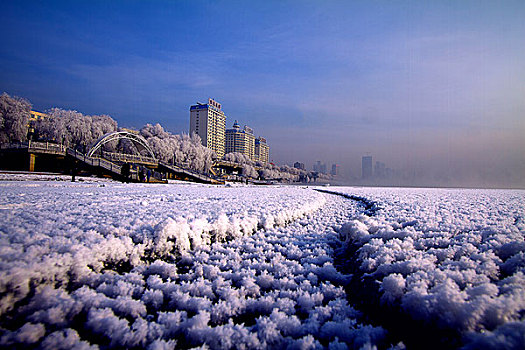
{"x":88,"y":264}
{"x":452,"y":257}
{"x":227,"y":267}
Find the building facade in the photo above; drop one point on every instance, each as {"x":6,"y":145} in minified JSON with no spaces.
{"x":240,"y":141}
{"x":335,"y":170}
{"x":320,"y":167}
{"x":366,"y":167}
{"x":209,"y":122}
{"x":34,"y":118}
{"x":262,"y":150}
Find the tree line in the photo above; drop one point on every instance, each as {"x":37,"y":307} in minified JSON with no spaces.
{"x":78,"y":131}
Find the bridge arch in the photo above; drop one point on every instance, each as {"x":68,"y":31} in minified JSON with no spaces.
{"x":138,"y":141}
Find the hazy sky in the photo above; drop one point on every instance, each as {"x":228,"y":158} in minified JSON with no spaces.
{"x":435,"y":89}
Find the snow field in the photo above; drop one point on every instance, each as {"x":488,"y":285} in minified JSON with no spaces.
{"x":454,"y":258}
{"x":60,"y":232}
{"x":275,"y":288}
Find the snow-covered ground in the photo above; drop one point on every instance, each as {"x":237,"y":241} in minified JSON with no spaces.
{"x":103,"y":264}
{"x":454,"y":259}
{"x":138,"y":265}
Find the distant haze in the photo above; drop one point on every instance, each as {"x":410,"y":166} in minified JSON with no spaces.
{"x":435,"y":90}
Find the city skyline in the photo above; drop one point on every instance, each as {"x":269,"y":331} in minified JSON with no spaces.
{"x":432,"y":89}
{"x":209,"y":122}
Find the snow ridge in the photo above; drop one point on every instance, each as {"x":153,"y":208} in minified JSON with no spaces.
{"x":370,"y":207}
{"x":181,"y":235}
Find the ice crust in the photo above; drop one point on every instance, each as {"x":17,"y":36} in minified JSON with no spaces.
{"x":452,"y":257}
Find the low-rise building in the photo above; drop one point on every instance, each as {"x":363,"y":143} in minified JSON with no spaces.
{"x":298,"y":165}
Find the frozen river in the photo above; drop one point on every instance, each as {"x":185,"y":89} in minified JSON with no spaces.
{"x":103,"y":264}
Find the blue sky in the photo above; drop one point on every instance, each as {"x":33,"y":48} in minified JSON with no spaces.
{"x":433,"y":88}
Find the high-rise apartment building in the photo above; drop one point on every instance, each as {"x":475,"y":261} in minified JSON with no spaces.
{"x":379,"y":170}
{"x":320,"y":167}
{"x":209,"y":122}
{"x":240,"y":141}
{"x":366,"y":167}
{"x":262,"y":150}
{"x":335,"y":170}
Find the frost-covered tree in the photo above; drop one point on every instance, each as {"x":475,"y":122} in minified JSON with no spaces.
{"x":248,"y":165}
{"x":74,"y":129}
{"x":101,"y":125}
{"x":14,"y":117}
{"x":269,"y":174}
{"x":265,"y":171}
{"x":249,"y":171}
{"x":53,"y":128}
{"x":200,"y":158}
{"x":239,"y":158}
{"x":179,"y":149}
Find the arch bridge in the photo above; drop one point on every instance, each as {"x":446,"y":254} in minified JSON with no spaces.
{"x":106,"y":163}
{"x":138,"y":141}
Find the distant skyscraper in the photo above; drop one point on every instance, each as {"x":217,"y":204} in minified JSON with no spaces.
{"x":366,"y":167}
{"x":240,"y":141}
{"x":320,"y":167}
{"x":379,"y":170}
{"x":335,"y":170}
{"x":262,"y":150}
{"x":209,"y":122}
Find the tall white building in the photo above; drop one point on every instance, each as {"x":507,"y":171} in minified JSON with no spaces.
{"x":262,"y":150}
{"x":209,"y":122}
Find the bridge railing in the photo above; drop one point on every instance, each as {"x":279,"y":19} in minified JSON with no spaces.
{"x":185,"y":166}
{"x":100,"y":162}
{"x":176,"y":167}
{"x":47,"y":147}
{"x":131,"y":158}
{"x":229,"y":163}
{"x":38,"y":147}
{"x":53,"y":148}
{"x":108,"y":165}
